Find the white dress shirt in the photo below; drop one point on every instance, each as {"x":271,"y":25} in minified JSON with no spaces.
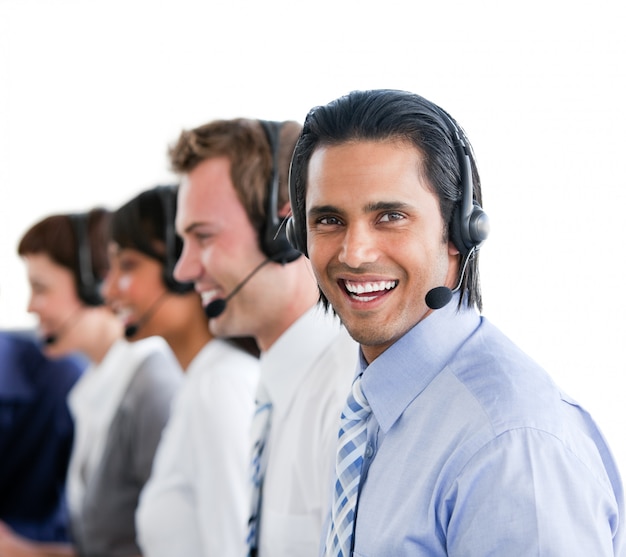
{"x":307,"y":374}
{"x":196,"y":503}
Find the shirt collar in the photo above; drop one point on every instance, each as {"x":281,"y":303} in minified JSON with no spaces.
{"x":285,"y":365}
{"x":405,"y":369}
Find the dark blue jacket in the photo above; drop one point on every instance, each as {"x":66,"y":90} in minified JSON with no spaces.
{"x":36,"y":434}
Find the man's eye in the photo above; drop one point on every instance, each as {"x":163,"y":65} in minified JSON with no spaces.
{"x":202,"y":237}
{"x":329,"y":220}
{"x":389,"y":217}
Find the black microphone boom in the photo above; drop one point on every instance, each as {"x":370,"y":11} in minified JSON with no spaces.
{"x":438,"y":297}
{"x":53,"y":338}
{"x":217,"y":306}
{"x":133,"y":328}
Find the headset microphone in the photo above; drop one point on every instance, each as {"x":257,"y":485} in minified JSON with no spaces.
{"x":133,"y":328}
{"x":217,"y":306}
{"x":53,"y":338}
{"x":438,"y":297}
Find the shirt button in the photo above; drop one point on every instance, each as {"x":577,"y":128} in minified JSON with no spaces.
{"x":369,"y":450}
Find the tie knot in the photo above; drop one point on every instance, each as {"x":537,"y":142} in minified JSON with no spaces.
{"x":357,"y":407}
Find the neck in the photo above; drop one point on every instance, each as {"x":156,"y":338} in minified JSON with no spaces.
{"x":104,"y":333}
{"x":296,"y":294}
{"x":186,"y":342}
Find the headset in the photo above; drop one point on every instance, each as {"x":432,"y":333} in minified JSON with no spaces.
{"x":167,"y":196}
{"x":273,"y":237}
{"x":469,"y":227}
{"x":88,"y":285}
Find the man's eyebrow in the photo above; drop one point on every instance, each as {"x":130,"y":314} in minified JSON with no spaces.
{"x":385,"y":206}
{"x":368,"y":208}
{"x":191,"y":227}
{"x":320,"y":210}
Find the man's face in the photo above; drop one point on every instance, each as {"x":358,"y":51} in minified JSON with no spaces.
{"x":375,"y":238}
{"x":220,"y":247}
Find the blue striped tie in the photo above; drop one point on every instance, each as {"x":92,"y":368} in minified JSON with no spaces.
{"x":260,"y":429}
{"x":352,"y":438}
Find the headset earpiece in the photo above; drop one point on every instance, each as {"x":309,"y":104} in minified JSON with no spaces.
{"x":470,"y":225}
{"x":88,"y":286}
{"x":294,"y":228}
{"x":274,"y":241}
{"x":167,"y":195}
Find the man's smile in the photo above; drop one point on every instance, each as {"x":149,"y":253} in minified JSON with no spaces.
{"x":366,"y":291}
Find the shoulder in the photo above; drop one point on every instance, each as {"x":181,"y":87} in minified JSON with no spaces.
{"x":493,"y":382}
{"x":221,"y":369}
{"x":156,"y":368}
{"x":23,"y":358}
{"x":336,"y":362}
{"x":223,"y":355}
{"x":155,"y":358}
{"x":511,"y":388}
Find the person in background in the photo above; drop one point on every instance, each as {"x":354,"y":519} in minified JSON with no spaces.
{"x":120,"y":404}
{"x":143,"y":248}
{"x":453,"y":442}
{"x":36,"y":433}
{"x":195,"y":502}
{"x":231,"y":201}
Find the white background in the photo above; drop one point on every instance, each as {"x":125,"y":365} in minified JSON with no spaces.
{"x":92,"y":92}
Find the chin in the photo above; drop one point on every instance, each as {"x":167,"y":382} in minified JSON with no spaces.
{"x":55,"y":352}
{"x":228,"y":326}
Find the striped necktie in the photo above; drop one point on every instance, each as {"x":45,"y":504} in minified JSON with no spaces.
{"x":351,"y":446}
{"x":260,"y":429}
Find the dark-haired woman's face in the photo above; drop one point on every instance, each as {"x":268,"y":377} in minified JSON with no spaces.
{"x":134,"y":289}
{"x":54,"y":300}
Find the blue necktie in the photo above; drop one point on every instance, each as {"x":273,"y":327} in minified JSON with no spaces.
{"x":260,"y":429}
{"x":351,"y":446}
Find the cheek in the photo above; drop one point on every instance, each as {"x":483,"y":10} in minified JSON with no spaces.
{"x":128,"y":289}
{"x":317,"y":265}
{"x":124,"y":283}
{"x":319,"y":252}
{"x":208,"y":260}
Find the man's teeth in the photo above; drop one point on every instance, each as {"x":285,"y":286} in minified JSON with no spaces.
{"x":208,"y":296}
{"x":368,"y":287}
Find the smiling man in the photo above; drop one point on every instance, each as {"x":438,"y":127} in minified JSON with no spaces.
{"x":232,"y":200}
{"x":453,"y":441}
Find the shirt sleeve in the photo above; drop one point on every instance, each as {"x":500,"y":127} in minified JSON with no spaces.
{"x":526,"y":493}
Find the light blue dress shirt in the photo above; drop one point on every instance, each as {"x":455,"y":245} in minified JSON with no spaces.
{"x":474,"y":452}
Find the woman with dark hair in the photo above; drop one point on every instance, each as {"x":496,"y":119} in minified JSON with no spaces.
{"x":196,"y":501}
{"x":121,"y":403}
{"x":143,"y":248}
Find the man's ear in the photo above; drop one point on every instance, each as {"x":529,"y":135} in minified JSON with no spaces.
{"x":452,"y":249}
{"x":285,"y":210}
